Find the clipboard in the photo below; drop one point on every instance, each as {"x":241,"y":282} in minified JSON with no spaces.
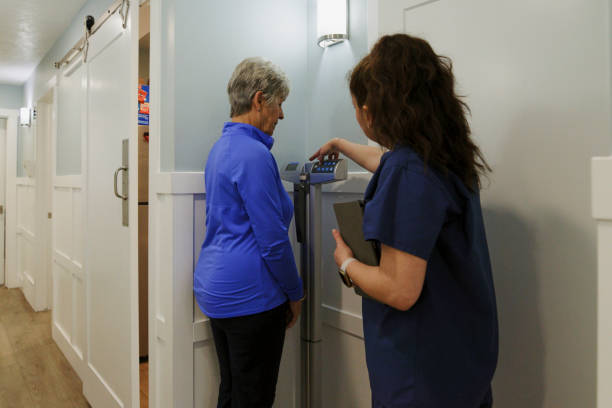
{"x":349,"y":216}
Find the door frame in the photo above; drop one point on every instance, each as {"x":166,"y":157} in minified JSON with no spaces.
{"x":44,"y":193}
{"x":4,"y":155}
{"x":10,"y":262}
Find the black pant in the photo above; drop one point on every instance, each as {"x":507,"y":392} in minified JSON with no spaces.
{"x":249,"y":349}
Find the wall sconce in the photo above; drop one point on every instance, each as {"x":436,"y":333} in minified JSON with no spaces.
{"x":331,"y":22}
{"x":25,"y":117}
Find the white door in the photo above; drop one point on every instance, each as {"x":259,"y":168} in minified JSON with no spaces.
{"x":2,"y":194}
{"x":111,"y":255}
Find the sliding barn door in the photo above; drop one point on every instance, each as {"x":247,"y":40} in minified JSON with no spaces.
{"x":111,"y":222}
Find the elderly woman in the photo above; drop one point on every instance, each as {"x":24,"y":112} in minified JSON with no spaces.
{"x":246,"y":279}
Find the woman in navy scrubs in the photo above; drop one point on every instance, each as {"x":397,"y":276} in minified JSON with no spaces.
{"x":430,"y":330}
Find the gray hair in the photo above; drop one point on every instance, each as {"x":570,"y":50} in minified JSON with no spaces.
{"x":252,"y":75}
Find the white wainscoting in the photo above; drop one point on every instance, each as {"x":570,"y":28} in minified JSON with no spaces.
{"x":26,"y":237}
{"x":601,"y":202}
{"x":183,"y":363}
{"x":68,"y":323}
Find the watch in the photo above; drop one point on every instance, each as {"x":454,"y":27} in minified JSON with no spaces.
{"x":343,"y":275}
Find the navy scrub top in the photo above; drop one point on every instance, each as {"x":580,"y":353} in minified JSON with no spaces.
{"x":443,"y":351}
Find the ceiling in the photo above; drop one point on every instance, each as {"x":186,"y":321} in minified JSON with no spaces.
{"x":28,"y":29}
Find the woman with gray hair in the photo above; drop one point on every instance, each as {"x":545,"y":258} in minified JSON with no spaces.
{"x":246,"y":280}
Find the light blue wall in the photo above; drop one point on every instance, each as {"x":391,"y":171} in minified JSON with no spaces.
{"x":68,"y":145}
{"x":330,"y":110}
{"x":211,"y":39}
{"x":11,"y":96}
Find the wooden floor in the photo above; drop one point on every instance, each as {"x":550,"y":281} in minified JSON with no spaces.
{"x":33,"y":371}
{"x":144,"y":385}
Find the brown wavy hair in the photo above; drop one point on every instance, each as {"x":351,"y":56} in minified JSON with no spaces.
{"x":410,"y":95}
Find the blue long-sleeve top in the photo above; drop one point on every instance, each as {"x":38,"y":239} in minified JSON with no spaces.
{"x":246,"y":264}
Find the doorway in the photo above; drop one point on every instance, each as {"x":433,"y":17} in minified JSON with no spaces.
{"x":45,"y":125}
{"x":143,"y":199}
{"x":2,"y":196}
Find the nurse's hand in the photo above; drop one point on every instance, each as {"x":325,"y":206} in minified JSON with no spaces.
{"x":329,"y":149}
{"x":342,"y":252}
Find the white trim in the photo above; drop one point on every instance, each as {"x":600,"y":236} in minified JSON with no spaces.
{"x":134,"y":22}
{"x":44,"y":136}
{"x":25,"y":181}
{"x":182,"y":295}
{"x":601,"y":190}
{"x":160,"y":381}
{"x":50,"y":85}
{"x":11,"y":278}
{"x":179,"y":182}
{"x":355,"y":183}
{"x":201,"y":331}
{"x":69,"y":265}
{"x":72,"y":353}
{"x":161,"y":329}
{"x":26,"y":233}
{"x":101,"y":388}
{"x":73,"y":181}
{"x":342,"y":320}
{"x":193,"y":183}
{"x":29,"y":278}
{"x":601,"y":196}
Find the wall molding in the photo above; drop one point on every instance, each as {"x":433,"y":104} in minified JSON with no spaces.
{"x":71,"y":266}
{"x":72,"y":354}
{"x":26,"y":233}
{"x":343,"y":320}
{"x":201,"y":331}
{"x":601,"y":207}
{"x":601,"y":188}
{"x":25,"y":181}
{"x":193,"y":183}
{"x":72,"y":181}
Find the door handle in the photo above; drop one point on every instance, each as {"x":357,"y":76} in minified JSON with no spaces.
{"x":115,"y":184}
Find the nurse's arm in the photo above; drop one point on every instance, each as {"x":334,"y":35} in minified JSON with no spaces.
{"x":366,"y":156}
{"x":397,"y":281}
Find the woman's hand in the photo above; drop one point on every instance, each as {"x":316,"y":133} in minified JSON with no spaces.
{"x":342,"y":252}
{"x":329,"y":149}
{"x":294,"y":311}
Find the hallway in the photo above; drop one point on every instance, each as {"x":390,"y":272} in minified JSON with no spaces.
{"x":33,"y":371}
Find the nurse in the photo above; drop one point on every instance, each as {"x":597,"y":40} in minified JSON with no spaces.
{"x":246,"y":280}
{"x":430,"y":331}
